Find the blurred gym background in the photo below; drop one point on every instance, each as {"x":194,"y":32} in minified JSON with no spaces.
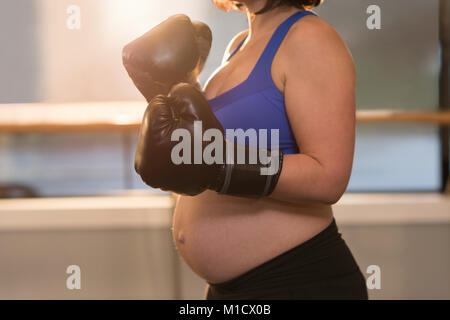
{"x":68,"y":124}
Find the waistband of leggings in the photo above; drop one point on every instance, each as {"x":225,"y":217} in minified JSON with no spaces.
{"x":326,"y":237}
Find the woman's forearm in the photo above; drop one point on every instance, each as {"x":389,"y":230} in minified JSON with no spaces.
{"x":305,"y":180}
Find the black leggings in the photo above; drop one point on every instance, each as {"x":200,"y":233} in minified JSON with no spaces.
{"x":320,"y":268}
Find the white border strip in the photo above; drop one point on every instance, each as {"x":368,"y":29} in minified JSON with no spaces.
{"x":363,"y":209}
{"x":87,"y":213}
{"x":155,"y":211}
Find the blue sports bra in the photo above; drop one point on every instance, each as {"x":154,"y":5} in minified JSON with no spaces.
{"x":256,"y":103}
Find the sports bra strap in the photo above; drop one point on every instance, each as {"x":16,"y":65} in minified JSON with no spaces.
{"x":236,"y":49}
{"x":264,"y":64}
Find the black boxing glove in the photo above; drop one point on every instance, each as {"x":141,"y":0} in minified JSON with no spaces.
{"x":204,"y":42}
{"x":174,"y":51}
{"x":158,"y":151}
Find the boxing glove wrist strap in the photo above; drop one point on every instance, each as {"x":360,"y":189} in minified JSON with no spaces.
{"x":249,"y":180}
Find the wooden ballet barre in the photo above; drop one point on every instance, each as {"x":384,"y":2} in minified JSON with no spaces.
{"x":127,"y":115}
{"x":86,"y":116}
{"x":374,"y":116}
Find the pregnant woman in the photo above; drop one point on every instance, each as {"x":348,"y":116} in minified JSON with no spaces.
{"x":253,"y":236}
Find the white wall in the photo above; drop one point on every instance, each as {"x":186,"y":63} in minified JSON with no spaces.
{"x":125,"y":249}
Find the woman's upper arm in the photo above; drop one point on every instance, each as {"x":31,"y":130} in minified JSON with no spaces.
{"x":320,"y":96}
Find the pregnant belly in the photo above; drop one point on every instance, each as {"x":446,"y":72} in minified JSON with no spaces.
{"x":221,"y":237}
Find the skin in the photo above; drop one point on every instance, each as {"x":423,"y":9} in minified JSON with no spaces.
{"x":221,"y":237}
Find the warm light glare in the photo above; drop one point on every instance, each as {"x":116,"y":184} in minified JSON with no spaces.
{"x":138,"y":16}
{"x":130,"y":9}
{"x":133,"y":16}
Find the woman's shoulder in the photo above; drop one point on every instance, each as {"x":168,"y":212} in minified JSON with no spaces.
{"x":238,"y":38}
{"x":313,"y":31}
{"x":312,"y":39}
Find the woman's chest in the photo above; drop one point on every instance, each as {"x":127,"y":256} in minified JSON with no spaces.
{"x":240,"y":67}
